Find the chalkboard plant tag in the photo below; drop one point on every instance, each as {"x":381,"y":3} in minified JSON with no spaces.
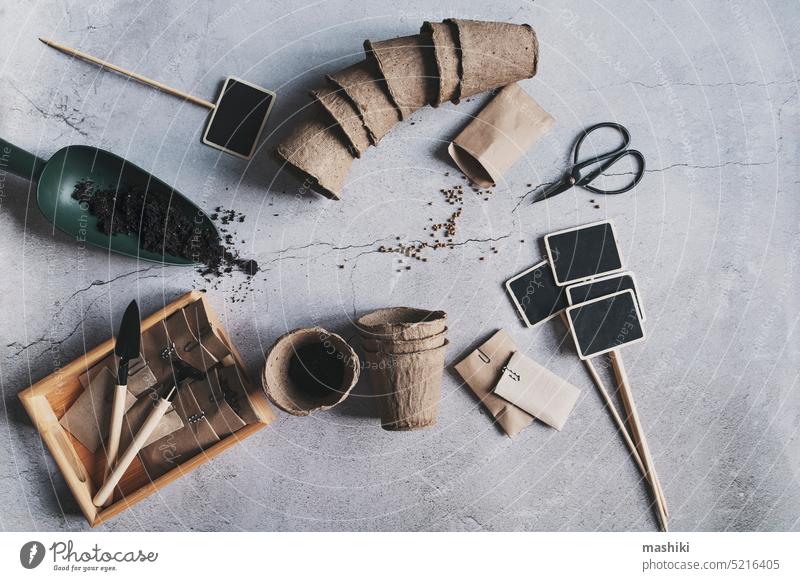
{"x":605,"y":324}
{"x":536,"y":295}
{"x":584,"y":252}
{"x":239,"y":117}
{"x":604,"y":286}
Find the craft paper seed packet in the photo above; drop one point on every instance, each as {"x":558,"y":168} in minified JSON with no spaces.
{"x":537,"y":390}
{"x":481,"y":371}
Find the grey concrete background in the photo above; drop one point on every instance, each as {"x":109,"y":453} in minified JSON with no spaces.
{"x":709,"y":91}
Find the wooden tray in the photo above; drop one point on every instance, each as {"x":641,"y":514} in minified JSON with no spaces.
{"x":47,"y":400}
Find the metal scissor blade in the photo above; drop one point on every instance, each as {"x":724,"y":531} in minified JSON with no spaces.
{"x":559,"y":187}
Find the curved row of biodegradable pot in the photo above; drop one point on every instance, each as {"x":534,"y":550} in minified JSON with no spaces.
{"x":446,"y":61}
{"x":404,"y":351}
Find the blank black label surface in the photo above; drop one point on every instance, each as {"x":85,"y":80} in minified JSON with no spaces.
{"x":536,"y":294}
{"x":583,"y":253}
{"x":239,"y":117}
{"x":605,"y":324}
{"x":586,"y":291}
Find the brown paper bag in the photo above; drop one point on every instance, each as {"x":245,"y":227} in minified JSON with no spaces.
{"x":500,"y":134}
{"x":316,"y":150}
{"x":204,"y":332}
{"x":481,"y":370}
{"x":344,"y":112}
{"x":494,"y":54}
{"x":235,"y":389}
{"x":365,"y":89}
{"x":403,"y":65}
{"x":439,"y":36}
{"x":87,"y":419}
{"x":174,"y":338}
{"x":220,"y":415}
{"x":180,"y":445}
{"x":537,"y":390}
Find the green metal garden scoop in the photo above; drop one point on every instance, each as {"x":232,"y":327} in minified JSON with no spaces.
{"x":74,"y":164}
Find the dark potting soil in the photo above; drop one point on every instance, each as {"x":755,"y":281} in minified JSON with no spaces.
{"x":162,"y":228}
{"x":316,"y":371}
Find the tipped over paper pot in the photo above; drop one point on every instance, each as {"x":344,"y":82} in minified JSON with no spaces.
{"x":308,"y":370}
{"x":401,"y":323}
{"x":408,"y":386}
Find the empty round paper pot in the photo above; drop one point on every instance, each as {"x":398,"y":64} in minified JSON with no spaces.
{"x":343,"y":112}
{"x":404,"y":346}
{"x":362,"y":84}
{"x":494,"y":54}
{"x":439,"y":36}
{"x":281,"y":384}
{"x":402,"y":323}
{"x":403,"y":64}
{"x":315,"y":150}
{"x":408,"y":387}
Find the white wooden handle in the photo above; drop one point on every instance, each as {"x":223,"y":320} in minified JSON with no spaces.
{"x":150,"y":424}
{"x":115,"y":428}
{"x":638,"y":433}
{"x":135,"y":76}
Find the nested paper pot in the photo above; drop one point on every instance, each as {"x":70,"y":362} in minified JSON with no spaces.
{"x":299,"y":383}
{"x":402,"y":323}
{"x":408,"y":386}
{"x":400,"y":346}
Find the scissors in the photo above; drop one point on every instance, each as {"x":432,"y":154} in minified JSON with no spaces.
{"x":575,"y":177}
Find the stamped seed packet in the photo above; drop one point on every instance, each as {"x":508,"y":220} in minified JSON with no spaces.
{"x":220,"y":415}
{"x":481,"y":369}
{"x":537,"y":390}
{"x":195,"y":435}
{"x":234,"y":388}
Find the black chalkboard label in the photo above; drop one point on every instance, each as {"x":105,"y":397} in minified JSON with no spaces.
{"x":602,"y":325}
{"x":584,"y":252}
{"x":604,"y":286}
{"x":536,"y":295}
{"x":239,"y":118}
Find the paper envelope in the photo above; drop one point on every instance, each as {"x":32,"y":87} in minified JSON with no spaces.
{"x":481,"y":370}
{"x":537,"y":390}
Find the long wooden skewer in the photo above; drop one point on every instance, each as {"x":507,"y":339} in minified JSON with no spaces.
{"x":636,"y":430}
{"x":623,"y":429}
{"x":135,"y":76}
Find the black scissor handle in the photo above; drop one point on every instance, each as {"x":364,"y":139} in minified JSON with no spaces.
{"x":637,"y":176}
{"x":607,"y":159}
{"x":626,"y":139}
